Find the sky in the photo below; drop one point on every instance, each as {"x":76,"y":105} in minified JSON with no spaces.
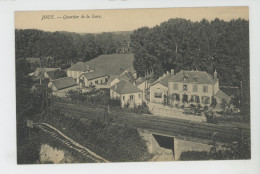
{"x":96,"y":21}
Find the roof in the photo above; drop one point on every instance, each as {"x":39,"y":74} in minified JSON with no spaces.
{"x":124,"y":87}
{"x":221,"y":95}
{"x":63,"y":83}
{"x":38,"y":70}
{"x":164,"y":80}
{"x":94,"y":74}
{"x":149,"y":78}
{"x":56,"y":74}
{"x":112,"y":63}
{"x":200,"y":77}
{"x":126,"y":77}
{"x":80,"y":66}
{"x":230,"y":90}
{"x":131,"y":70}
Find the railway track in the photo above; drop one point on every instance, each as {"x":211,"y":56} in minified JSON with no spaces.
{"x":69,"y":142}
{"x":167,"y":126}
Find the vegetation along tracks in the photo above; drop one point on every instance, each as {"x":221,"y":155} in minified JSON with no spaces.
{"x":69,"y":142}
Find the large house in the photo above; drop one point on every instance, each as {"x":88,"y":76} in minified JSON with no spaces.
{"x":195,"y":86}
{"x":127,"y":93}
{"x":61,"y":86}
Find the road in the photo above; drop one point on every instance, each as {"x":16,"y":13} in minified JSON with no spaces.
{"x":182,"y":129}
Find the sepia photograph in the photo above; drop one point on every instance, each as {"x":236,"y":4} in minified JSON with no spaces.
{"x":132,"y":85}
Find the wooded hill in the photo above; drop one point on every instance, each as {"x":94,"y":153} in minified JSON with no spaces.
{"x":184,"y":45}
{"x":68,"y":46}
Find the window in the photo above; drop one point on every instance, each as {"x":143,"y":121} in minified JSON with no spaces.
{"x":185,"y":88}
{"x":91,"y":84}
{"x":195,"y":88}
{"x":139,"y":96}
{"x":205,"y":89}
{"x":96,"y":82}
{"x":195,"y":98}
{"x":157,"y":95}
{"x":175,"y":86}
{"x":205,"y":100}
{"x":101,"y":81}
{"x":176,"y":97}
{"x":123,"y":98}
{"x":131,"y":97}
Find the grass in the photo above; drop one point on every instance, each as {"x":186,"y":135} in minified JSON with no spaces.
{"x":113,"y":142}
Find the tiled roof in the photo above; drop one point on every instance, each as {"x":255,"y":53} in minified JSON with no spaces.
{"x":94,"y":74}
{"x":112,"y":63}
{"x":200,"y":77}
{"x":164,"y":80}
{"x":221,"y":95}
{"x":126,"y":77}
{"x":109,"y":63}
{"x":124,"y":87}
{"x":63,"y":83}
{"x":80,"y":66}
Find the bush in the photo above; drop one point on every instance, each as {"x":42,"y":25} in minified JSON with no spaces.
{"x":114,"y":102}
{"x":211,"y":118}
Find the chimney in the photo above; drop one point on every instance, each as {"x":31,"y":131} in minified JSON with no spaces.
{"x":215,"y":75}
{"x":172,"y":71}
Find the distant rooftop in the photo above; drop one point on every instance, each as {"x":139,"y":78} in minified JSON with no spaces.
{"x":124,"y":87}
{"x":63,"y":83}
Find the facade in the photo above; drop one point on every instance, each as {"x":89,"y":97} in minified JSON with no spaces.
{"x":61,"y":86}
{"x":77,"y":69}
{"x":93,"y":78}
{"x":127,"y":93}
{"x":194,"y":87}
{"x":159,"y":89}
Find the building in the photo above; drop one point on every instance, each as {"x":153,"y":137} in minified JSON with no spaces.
{"x":97,"y":77}
{"x":144,"y":83}
{"x":159,"y":89}
{"x":61,"y":86}
{"x":110,"y":64}
{"x":132,"y":71}
{"x":126,"y":76}
{"x":195,"y":87}
{"x":127,"y":93}
{"x":77,"y":69}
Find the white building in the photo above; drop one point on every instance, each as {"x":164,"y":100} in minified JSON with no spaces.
{"x":77,"y":69}
{"x":127,"y":93}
